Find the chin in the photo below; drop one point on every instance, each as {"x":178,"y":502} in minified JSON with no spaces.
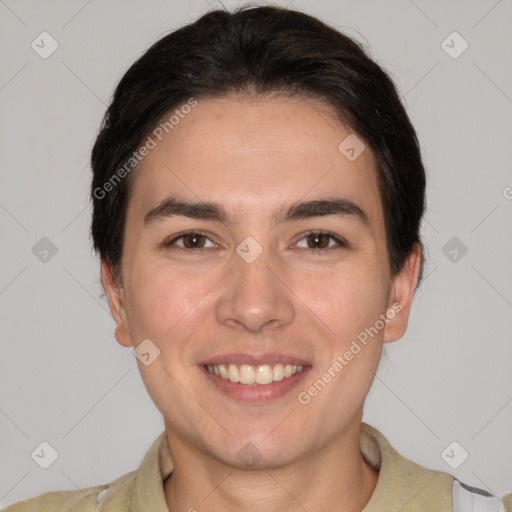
{"x":260,"y":451}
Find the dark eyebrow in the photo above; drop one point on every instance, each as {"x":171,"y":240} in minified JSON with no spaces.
{"x":171,"y":207}
{"x":322,"y":207}
{"x":216,"y":212}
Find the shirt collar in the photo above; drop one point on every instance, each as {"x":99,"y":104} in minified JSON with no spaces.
{"x":147,"y":492}
{"x":402,"y":484}
{"x":397,"y":483}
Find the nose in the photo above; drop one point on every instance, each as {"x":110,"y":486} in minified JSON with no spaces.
{"x":255,"y":296}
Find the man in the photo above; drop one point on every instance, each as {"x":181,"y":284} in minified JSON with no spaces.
{"x":258,"y":191}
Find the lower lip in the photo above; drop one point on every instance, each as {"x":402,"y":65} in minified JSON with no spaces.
{"x":256,"y":393}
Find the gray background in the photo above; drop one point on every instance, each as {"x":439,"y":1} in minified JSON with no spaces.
{"x":63,"y":377}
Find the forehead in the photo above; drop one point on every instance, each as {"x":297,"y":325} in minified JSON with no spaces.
{"x":245,"y":153}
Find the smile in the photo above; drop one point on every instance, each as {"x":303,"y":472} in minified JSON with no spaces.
{"x":263,"y":374}
{"x":255,"y":384}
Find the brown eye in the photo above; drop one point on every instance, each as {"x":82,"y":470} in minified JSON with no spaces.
{"x":318,"y":240}
{"x":315,"y":240}
{"x":189,"y":241}
{"x":193,"y":241}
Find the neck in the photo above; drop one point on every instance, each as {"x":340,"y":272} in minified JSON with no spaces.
{"x":336,"y":478}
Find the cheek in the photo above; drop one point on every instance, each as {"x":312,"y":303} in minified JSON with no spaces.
{"x":347,"y":302}
{"x":163,"y":302}
{"x":350,"y":304}
{"x":166,"y":311}
{"x":172,"y":308}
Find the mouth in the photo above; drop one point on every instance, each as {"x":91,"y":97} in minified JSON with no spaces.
{"x":260,"y":375}
{"x":252,"y":380}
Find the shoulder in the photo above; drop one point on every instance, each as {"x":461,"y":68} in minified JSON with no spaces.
{"x":467,"y":498}
{"x":404,"y":484}
{"x":134,"y":490}
{"x":109,"y":497}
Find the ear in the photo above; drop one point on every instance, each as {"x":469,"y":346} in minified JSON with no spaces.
{"x":402,"y":292}
{"x":116,"y":301}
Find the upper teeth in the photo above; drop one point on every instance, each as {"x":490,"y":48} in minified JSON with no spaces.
{"x":247,"y":374}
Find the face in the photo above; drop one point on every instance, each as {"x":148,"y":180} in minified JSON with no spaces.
{"x":252,"y":243}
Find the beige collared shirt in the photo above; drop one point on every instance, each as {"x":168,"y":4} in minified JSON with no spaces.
{"x":402,"y":485}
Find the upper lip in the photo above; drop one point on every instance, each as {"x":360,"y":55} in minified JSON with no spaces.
{"x":255,"y":359}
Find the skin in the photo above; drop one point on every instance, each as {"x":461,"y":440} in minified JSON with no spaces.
{"x":256,"y":156}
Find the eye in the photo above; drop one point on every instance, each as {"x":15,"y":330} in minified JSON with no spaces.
{"x":189,"y":241}
{"x":315,"y":240}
